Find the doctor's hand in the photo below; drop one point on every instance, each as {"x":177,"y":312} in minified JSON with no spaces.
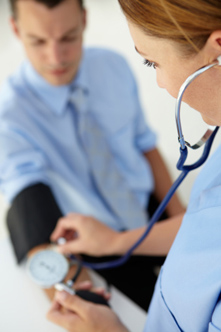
{"x":85,"y":235}
{"x":77,"y":315}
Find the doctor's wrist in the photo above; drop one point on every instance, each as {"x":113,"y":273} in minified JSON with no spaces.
{"x":119,"y":244}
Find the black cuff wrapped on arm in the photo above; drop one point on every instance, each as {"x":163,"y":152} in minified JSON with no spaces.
{"x":32,"y":218}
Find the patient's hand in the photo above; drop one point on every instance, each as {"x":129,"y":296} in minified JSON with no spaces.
{"x":85,"y":235}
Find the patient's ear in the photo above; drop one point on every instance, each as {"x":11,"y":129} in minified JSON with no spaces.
{"x":84,"y":18}
{"x":14,"y":26}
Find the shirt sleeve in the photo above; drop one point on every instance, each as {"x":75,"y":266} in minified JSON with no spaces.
{"x":145,"y":137}
{"x":34,"y":212}
{"x":21,"y":162}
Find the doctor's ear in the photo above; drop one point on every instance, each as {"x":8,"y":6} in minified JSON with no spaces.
{"x":214,"y":40}
{"x":212,"y":48}
{"x":14,"y":26}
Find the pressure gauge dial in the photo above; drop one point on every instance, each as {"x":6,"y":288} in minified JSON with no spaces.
{"x":48,"y":268}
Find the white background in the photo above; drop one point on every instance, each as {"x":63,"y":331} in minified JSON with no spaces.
{"x":107,"y":27}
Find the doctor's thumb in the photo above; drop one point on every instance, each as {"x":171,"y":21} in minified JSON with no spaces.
{"x":71,"y":302}
{"x":70,"y":247}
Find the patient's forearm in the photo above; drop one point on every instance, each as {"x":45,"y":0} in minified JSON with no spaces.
{"x":163,"y":182}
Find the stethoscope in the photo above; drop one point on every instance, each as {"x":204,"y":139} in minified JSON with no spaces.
{"x":49,"y":268}
{"x":207,"y":138}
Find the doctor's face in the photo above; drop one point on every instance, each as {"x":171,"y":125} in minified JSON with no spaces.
{"x":52,"y":38}
{"x":173,"y":67}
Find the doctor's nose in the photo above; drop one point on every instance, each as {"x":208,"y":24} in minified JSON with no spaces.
{"x":159,"y":79}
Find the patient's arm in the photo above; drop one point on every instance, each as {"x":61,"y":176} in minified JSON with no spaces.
{"x":31,"y":219}
{"x":162,"y":182}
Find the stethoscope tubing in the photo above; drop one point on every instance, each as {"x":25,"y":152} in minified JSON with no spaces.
{"x":183,"y":88}
{"x":185,"y":170}
{"x":123,"y":259}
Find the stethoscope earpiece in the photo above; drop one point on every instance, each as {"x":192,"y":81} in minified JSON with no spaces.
{"x":219,"y":60}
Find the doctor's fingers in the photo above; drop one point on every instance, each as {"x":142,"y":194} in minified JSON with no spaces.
{"x":85,"y":316}
{"x":62,"y":317}
{"x":68,"y":223}
{"x":87,"y":285}
{"x":76,"y":304}
{"x":77,"y":246}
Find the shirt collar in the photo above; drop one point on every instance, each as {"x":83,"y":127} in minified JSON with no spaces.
{"x":55,"y":97}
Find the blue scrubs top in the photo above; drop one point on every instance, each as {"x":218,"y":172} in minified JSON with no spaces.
{"x":187,"y":295}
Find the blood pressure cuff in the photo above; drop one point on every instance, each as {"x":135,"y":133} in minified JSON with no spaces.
{"x":32,"y":218}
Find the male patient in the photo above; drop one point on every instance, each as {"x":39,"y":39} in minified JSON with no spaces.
{"x":46,"y":168}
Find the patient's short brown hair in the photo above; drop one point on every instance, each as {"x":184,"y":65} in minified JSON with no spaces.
{"x":47,"y":3}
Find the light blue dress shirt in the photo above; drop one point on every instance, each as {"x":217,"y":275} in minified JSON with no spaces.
{"x":187,"y":295}
{"x":39,"y":135}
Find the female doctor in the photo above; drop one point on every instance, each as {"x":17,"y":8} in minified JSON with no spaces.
{"x":176,"y":37}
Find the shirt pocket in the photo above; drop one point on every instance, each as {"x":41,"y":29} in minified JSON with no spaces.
{"x":170,"y":317}
{"x":215,"y":323}
{"x":160,"y":318}
{"x":170,"y":320}
{"x":212,"y":328}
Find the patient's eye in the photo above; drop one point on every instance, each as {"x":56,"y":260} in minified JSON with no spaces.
{"x":37,"y":42}
{"x":149,"y":63}
{"x":69,"y":39}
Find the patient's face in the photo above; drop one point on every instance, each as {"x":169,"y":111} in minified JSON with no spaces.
{"x":52,"y":38}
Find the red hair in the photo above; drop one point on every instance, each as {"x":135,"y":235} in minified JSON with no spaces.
{"x":188,"y":22}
